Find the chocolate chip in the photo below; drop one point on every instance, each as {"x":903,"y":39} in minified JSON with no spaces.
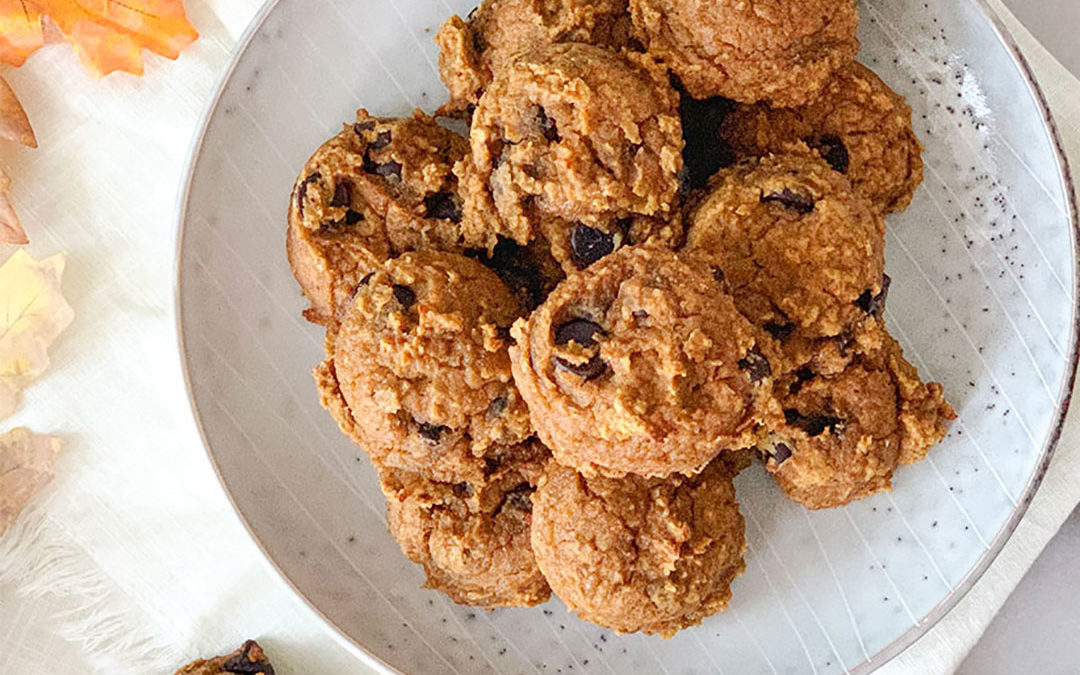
{"x":587,"y":245}
{"x":844,"y":341}
{"x":547,"y":125}
{"x":779,"y":331}
{"x":360,"y":127}
{"x":802,"y":375}
{"x":705,"y":152}
{"x":353,"y":217}
{"x":756,"y":365}
{"x":833,"y":151}
{"x":301,"y":190}
{"x":463,"y":490}
{"x":432,"y":432}
{"x":518,"y":268}
{"x":491,"y":465}
{"x":640,"y":314}
{"x":790,"y":200}
{"x":443,"y":205}
{"x":718,"y":274}
{"x":386,"y":169}
{"x":244,"y":664}
{"x":581,"y":331}
{"x":342,"y":193}
{"x":381,"y":141}
{"x":813,"y":425}
{"x":520,"y":497}
{"x":405,"y":296}
{"x":781,"y":452}
{"x":497,"y":406}
{"x":875,"y":304}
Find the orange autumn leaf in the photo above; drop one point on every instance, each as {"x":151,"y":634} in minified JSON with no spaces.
{"x":107,"y":35}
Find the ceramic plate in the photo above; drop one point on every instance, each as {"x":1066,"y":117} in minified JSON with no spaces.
{"x":983,"y":299}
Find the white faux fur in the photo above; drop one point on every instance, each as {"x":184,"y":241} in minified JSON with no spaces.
{"x":39,"y":560}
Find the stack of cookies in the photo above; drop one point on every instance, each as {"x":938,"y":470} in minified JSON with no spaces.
{"x":658,"y":253}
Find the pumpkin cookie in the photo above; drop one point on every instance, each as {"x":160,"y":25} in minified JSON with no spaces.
{"x":573,"y":136}
{"x":843,"y":435}
{"x":780,"y":51}
{"x":498,"y":31}
{"x":472,"y":536}
{"x":641,"y":364}
{"x":799,"y":250}
{"x":381,"y":187}
{"x":418,"y":372}
{"x":637,"y":554}
{"x":858,"y":125}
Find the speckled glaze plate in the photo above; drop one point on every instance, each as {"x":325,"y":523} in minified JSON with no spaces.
{"x":983,"y":299}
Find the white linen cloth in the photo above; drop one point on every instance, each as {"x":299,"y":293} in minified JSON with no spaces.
{"x":132,"y":561}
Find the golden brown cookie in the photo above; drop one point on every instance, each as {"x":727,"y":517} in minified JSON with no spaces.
{"x":418,"y":372}
{"x":573,"y":136}
{"x":641,"y":364}
{"x":248,"y":660}
{"x":381,"y":187}
{"x":858,"y":125}
{"x":845,"y":434}
{"x":635,"y":554}
{"x":498,"y":31}
{"x":781,"y":51}
{"x":472,"y":537}
{"x":797,"y":247}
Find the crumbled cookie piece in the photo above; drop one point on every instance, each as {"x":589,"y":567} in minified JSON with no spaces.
{"x":248,"y":660}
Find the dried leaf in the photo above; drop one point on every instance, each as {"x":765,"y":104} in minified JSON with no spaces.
{"x":14,"y":125}
{"x":33,"y":313}
{"x":11,"y":230}
{"x":107,"y":35}
{"x":26,"y":466}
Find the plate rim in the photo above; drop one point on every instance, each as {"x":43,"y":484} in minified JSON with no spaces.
{"x":882,"y":656}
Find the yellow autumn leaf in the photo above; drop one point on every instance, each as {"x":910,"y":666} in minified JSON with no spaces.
{"x":33,"y":313}
{"x":26,"y":466}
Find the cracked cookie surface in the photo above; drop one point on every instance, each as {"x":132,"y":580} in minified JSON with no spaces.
{"x":418,"y":372}
{"x":781,"y":51}
{"x":472,"y":536}
{"x":844,"y":435}
{"x":860,"y":126}
{"x":573,"y":136}
{"x":381,"y":187}
{"x":641,"y":364}
{"x":797,"y":247}
{"x":498,"y":31}
{"x":635,"y":554}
